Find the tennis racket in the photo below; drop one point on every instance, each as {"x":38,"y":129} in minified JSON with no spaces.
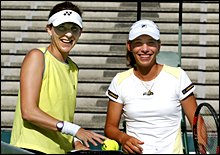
{"x":206,"y":130}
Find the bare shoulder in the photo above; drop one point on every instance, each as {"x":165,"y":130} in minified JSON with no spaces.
{"x":35,"y":53}
{"x":34,"y":57}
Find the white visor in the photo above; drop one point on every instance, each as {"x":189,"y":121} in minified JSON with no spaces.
{"x":65,"y":16}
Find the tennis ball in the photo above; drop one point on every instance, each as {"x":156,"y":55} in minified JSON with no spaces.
{"x":110,"y":144}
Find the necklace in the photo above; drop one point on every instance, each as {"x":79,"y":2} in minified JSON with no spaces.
{"x":148,"y":92}
{"x":151,"y":83}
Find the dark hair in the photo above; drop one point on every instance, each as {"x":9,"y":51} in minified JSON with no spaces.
{"x":130,"y":59}
{"x":65,"y":6}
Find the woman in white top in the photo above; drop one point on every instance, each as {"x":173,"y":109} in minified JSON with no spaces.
{"x":150,"y":96}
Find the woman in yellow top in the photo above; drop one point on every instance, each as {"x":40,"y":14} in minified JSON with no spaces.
{"x":44,"y":113}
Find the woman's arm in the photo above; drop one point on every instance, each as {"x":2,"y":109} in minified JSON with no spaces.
{"x":189,"y":106}
{"x":113,"y":118}
{"x":30,"y":84}
{"x":129,"y":143}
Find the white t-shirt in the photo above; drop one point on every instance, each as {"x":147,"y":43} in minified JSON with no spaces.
{"x":154,"y":119}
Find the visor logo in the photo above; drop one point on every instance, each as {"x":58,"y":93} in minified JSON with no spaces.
{"x":67,"y":13}
{"x":142,"y":26}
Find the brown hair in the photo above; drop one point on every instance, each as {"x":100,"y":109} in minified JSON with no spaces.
{"x":130,"y":58}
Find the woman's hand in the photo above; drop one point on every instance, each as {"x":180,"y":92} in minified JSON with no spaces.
{"x":78,"y":145}
{"x":89,"y":136}
{"x":131,"y":145}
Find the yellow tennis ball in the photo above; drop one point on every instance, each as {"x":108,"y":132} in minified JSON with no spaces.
{"x":110,"y":144}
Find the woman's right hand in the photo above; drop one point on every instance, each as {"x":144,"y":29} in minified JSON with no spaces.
{"x":131,"y":145}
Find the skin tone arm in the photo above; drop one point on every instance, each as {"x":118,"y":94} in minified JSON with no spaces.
{"x":189,"y":106}
{"x":31,"y":77}
{"x":129,"y":143}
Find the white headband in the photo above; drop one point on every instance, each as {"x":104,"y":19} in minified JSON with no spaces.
{"x":65,"y":16}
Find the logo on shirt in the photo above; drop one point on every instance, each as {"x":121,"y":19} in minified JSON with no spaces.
{"x":112,"y":94}
{"x":184,"y":91}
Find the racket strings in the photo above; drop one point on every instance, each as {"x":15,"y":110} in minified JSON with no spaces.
{"x":207,"y":132}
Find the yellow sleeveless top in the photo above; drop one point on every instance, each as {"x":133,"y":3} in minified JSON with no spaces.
{"x":58,"y":99}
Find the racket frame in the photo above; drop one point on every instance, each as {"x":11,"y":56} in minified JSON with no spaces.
{"x":195,"y":120}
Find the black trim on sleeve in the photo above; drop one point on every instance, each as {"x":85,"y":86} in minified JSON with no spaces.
{"x":112,"y":94}
{"x":184,"y":91}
